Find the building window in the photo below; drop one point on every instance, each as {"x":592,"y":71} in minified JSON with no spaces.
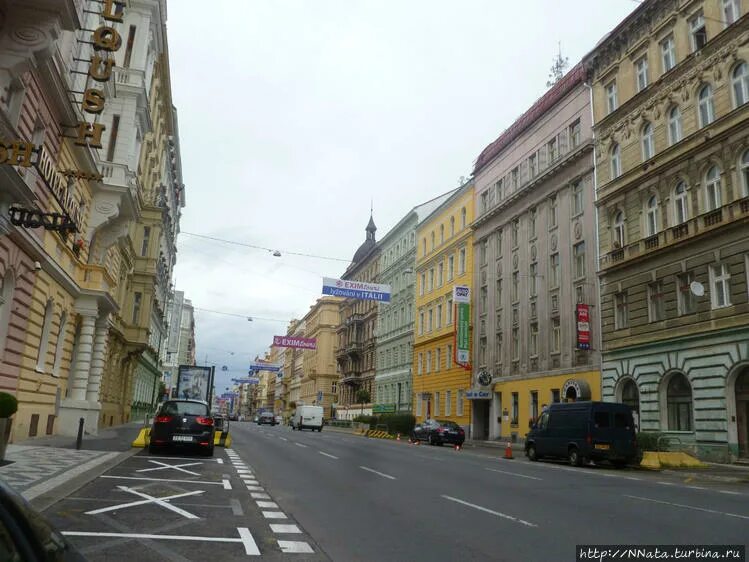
{"x":620,"y":311}
{"x":532,"y":166}
{"x":712,"y":189}
{"x":450,"y":267}
{"x":41,"y":358}
{"x":578,"y":254}
{"x":551,"y":150}
{"x":575,"y":133}
{"x":482,"y":350}
{"x":429,"y":362}
{"x":498,"y":187}
{"x":452,"y":226}
{"x":334,"y":387}
{"x":533,"y":339}
{"x":449,"y":356}
{"x":744,"y":165}
{"x":515,"y":232}
{"x":707,"y":111}
{"x":112,"y":144}
{"x":674,"y":125}
{"x":462,"y":261}
{"x":556,"y":335}
{"x":652,"y":216}
{"x":498,"y":241}
{"x":441,"y":274}
{"x":459,"y":404}
{"x":448,"y":403}
{"x":515,"y":343}
{"x":431,"y":280}
{"x":720,"y":280}
{"x":498,"y":293}
{"x":498,"y":342}
{"x":616,"y":162}
{"x":611,"y":97}
{"x":532,"y":276}
{"x":462,"y":218}
{"x":515,"y":286}
{"x":553,"y":211}
{"x":449,"y":311}
{"x":554,"y":270}
{"x":740,"y":81}
{"x":686,"y":302}
{"x":697,"y":31}
{"x":483,"y":251}
{"x":579,"y":294}
{"x":679,"y":403}
{"x":418,"y":404}
{"x":420,"y":368}
{"x":442,"y":234}
{"x":681,"y":203}
{"x":137,"y":297}
{"x":423,"y":283}
{"x":421,"y":323}
{"x":656,"y":302}
{"x":436,"y":404}
{"x":668,"y":53}
{"x":438,"y":359}
{"x":59,"y":345}
{"x":439,"y":316}
{"x":514,"y":178}
{"x":432,"y":239}
{"x":619,"y":230}
{"x":423,"y":246}
{"x":515,"y":408}
{"x":577,"y":198}
{"x":430,"y":320}
{"x":146,"y":240}
{"x":641,"y":71}
{"x":532,"y":222}
{"x":731,"y":11}
{"x":648,"y":143}
{"x":129,"y":47}
{"x":483,"y":295}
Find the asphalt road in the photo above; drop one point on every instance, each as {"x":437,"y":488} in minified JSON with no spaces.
{"x":368,"y":499}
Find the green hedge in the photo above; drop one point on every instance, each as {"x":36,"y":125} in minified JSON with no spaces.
{"x":396,"y":423}
{"x":648,"y":440}
{"x":8,"y":405}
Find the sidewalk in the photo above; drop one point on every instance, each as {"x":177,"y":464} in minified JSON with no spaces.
{"x":39,"y":467}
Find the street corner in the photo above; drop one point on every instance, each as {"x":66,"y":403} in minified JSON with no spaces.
{"x":156,"y":507}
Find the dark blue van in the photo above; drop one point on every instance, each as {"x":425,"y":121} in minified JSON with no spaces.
{"x":582,"y":431}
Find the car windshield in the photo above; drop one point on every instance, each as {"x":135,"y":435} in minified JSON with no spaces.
{"x":184,"y":409}
{"x":448,"y":424}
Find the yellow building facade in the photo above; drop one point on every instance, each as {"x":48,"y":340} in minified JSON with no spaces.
{"x":319,"y":376}
{"x":444,"y":260}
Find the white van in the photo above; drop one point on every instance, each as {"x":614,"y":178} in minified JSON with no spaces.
{"x":307,"y":417}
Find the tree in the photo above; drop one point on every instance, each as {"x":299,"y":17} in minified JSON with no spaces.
{"x":558,"y":68}
{"x":362,"y":397}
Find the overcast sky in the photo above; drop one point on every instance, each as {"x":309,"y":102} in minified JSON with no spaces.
{"x":294,"y":115}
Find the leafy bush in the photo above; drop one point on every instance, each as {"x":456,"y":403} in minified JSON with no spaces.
{"x":648,"y":440}
{"x":398,"y":423}
{"x":371,"y":420}
{"x":8,"y":405}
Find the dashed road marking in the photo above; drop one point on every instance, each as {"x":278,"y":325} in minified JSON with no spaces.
{"x":299,"y":444}
{"x":515,"y":474}
{"x":487,"y":510}
{"x":255,"y":488}
{"x":377,"y":472}
{"x":274,"y":514}
{"x":328,"y":455}
{"x":283,"y":439}
{"x":282,"y":528}
{"x":730,"y":493}
{"x":295,"y":547}
{"x":693,"y":507}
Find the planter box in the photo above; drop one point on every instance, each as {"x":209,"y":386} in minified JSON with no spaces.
{"x":5,"y":426}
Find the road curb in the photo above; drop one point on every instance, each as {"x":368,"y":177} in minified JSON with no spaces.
{"x":43,"y":495}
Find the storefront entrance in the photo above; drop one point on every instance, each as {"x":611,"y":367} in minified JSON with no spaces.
{"x":742,"y":412}
{"x":481,"y":416}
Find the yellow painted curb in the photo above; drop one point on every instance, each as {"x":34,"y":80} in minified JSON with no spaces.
{"x":650,"y":460}
{"x":144,"y":437}
{"x":680,"y":460}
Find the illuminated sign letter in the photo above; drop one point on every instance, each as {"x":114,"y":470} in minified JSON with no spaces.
{"x":86,"y":131}
{"x":93,"y":101}
{"x":107,"y":12}
{"x":100,"y":74}
{"x":107,"y":38}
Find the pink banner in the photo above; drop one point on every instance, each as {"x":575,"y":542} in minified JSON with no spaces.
{"x":297,"y":343}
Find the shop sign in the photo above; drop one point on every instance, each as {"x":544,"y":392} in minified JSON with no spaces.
{"x":583,"y":326}
{"x":478,"y":394}
{"x":383,"y":408}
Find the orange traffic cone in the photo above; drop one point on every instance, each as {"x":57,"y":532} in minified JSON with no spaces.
{"x":457,"y":447}
{"x":398,"y":437}
{"x":508,"y":451}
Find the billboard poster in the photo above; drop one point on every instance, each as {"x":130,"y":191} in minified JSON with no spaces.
{"x":194,"y":383}
{"x":462,"y":300}
{"x":583,"y":326}
{"x":355,"y":289}
{"x":295,"y":343}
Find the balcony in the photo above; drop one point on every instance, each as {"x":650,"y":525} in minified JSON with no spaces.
{"x":352,"y":377}
{"x":354,"y":349}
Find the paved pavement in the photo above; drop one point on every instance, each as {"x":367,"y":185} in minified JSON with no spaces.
{"x":368,"y":499}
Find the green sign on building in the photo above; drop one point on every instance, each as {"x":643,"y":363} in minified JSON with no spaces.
{"x":462,"y":299}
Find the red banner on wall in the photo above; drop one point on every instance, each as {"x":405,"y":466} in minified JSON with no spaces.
{"x":583,"y":326}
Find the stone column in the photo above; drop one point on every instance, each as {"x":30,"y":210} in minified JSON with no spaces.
{"x":97,"y":359}
{"x":83,"y":357}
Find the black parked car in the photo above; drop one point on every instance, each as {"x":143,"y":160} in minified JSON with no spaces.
{"x":439,"y":432}
{"x":183,"y":423}
{"x":26,"y":536}
{"x":266,"y":417}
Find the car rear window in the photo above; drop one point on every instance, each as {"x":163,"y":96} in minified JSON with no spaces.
{"x":184,"y":409}
{"x":601,"y":419}
{"x":450,"y":424}
{"x":622,"y":420}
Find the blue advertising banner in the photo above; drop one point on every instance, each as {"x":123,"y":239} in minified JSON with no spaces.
{"x":356,"y":289}
{"x":264,"y":367}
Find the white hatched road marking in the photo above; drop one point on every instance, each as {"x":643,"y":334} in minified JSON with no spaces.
{"x":266,"y":504}
{"x":515,"y":474}
{"x":695,"y":508}
{"x":281,"y":528}
{"x":220,"y":461}
{"x":487,"y":510}
{"x":274,"y":514}
{"x":158,"y":501}
{"x":165,"y":466}
{"x":255,"y":489}
{"x":295,"y":547}
{"x":259,"y":496}
{"x":377,"y":472}
{"x":225,"y":483}
{"x":245,"y":537}
{"x":328,"y":455}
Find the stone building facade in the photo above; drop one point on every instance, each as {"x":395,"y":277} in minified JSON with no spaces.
{"x":319,"y":384}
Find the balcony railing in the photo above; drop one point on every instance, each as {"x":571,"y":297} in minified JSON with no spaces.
{"x":651,"y":242}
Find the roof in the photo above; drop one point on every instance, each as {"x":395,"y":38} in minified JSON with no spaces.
{"x":570,"y":80}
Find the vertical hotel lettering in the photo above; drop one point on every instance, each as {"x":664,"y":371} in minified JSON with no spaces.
{"x":106,"y":40}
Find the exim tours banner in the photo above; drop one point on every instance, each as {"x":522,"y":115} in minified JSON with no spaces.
{"x":294,"y":342}
{"x":462,"y":300}
{"x":355,"y":289}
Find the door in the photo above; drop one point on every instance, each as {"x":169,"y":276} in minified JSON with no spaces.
{"x":541,"y":435}
{"x":742,"y":413}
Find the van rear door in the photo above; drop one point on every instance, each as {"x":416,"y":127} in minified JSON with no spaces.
{"x":623,"y":433}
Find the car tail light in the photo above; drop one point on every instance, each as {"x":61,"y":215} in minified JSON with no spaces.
{"x":441,"y":430}
{"x":163,"y":419}
{"x":204,"y":421}
{"x":461,"y":431}
{"x":205,"y":443}
{"x":589,"y":439}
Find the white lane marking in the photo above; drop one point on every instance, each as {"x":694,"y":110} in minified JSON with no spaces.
{"x":247,"y":476}
{"x":283,"y":439}
{"x":377,"y":472}
{"x":255,"y":488}
{"x":220,"y":461}
{"x":487,"y":510}
{"x":632,"y":478}
{"x":281,"y":528}
{"x":245,"y":537}
{"x":328,"y":455}
{"x":158,"y":501}
{"x":225,"y":483}
{"x":164,"y":466}
{"x":236,"y":507}
{"x":272,"y":505}
{"x":666,"y":483}
{"x":515,"y":474}
{"x":259,"y":496}
{"x":299,"y":444}
{"x":295,"y":547}
{"x":180,"y":458}
{"x":274,"y":514}
{"x":729,"y":492}
{"x":244,"y":471}
{"x":251,"y":482}
{"x":696,"y":488}
{"x":695,"y":508}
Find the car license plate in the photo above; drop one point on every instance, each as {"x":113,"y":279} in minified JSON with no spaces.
{"x":186,"y":438}
{"x":603,"y":446}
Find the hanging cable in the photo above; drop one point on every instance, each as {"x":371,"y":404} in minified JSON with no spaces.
{"x":249,"y":317}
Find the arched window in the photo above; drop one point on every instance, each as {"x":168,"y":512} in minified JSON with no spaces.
{"x":652,"y":216}
{"x":740,"y":82}
{"x":462,"y":218}
{"x":745,"y":173}
{"x":7,"y":290}
{"x":619,"y":230}
{"x":442,"y":234}
{"x":432,"y":240}
{"x":712,"y":189}
{"x":41,"y":358}
{"x":707,"y":112}
{"x":630,"y":395}
{"x":452,"y":226}
{"x":648,"y":144}
{"x":681,"y":203}
{"x":674,"y":125}
{"x":679,"y":403}
{"x":616,"y":162}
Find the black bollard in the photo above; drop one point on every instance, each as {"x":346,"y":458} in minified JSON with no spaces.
{"x":80,"y":434}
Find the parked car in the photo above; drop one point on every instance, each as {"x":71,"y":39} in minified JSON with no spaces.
{"x":27,"y":536}
{"x":183,"y":423}
{"x":439,"y":432}
{"x":266,"y":418}
{"x":307,"y":417}
{"x":582,"y":431}
{"x":279,"y":420}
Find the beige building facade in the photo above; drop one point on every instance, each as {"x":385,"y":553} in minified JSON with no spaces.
{"x":319,"y":384}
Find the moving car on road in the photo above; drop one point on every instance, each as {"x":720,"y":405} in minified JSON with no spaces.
{"x":266,"y":418}
{"x":439,"y":432}
{"x":307,"y":417}
{"x":583,"y":431}
{"x":183,"y":423}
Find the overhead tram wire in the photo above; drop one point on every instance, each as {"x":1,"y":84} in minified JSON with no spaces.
{"x":249,"y":317}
